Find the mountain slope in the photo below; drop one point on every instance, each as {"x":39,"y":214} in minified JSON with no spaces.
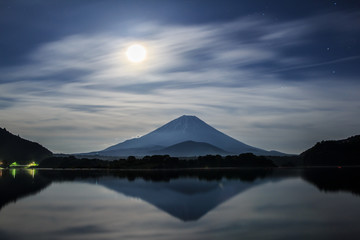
{"x":182,"y":129}
{"x":191,"y":149}
{"x":14,"y":148}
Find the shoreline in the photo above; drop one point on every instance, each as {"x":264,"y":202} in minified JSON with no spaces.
{"x":186,"y":169}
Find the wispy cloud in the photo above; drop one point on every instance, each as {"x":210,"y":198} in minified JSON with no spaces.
{"x":346,"y":59}
{"x":226,"y":73}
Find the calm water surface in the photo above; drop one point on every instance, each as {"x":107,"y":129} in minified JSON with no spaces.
{"x":246,"y":204}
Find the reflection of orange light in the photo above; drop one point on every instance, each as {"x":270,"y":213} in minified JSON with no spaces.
{"x":339,"y":166}
{"x":0,"y":173}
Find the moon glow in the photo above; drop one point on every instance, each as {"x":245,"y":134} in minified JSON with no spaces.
{"x":136,"y":53}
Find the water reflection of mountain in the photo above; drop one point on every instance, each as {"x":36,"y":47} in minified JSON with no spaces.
{"x":334,"y":179}
{"x":189,"y":195}
{"x":186,"y":195}
{"x":186,"y":199}
{"x":16,"y":184}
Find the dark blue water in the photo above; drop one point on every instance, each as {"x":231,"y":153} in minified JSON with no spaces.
{"x":247,"y":204}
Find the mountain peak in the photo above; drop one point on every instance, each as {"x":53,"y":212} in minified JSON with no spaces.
{"x":188,"y":117}
{"x":182,"y":129}
{"x":185,"y":123}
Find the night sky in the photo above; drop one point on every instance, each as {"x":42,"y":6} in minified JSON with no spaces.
{"x":274,"y":74}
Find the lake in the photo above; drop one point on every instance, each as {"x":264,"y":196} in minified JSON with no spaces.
{"x":209,"y":204}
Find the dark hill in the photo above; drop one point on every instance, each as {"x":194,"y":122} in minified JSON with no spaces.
{"x":14,"y":148}
{"x":333,"y":153}
{"x":191,"y":149}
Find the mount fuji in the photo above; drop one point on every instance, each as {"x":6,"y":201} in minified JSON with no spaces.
{"x":184,"y":136}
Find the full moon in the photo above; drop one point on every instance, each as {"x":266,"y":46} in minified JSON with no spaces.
{"x":136,"y":53}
